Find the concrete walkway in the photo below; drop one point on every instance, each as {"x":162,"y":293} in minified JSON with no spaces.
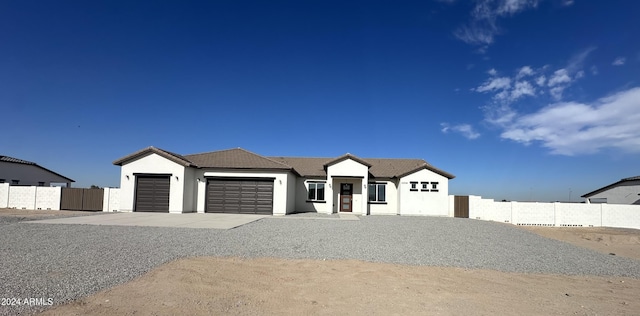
{"x":189,"y":220}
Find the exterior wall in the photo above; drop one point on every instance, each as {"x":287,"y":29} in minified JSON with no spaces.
{"x":291,"y":192}
{"x":4,"y":195}
{"x":190,"y":187}
{"x":48,"y":198}
{"x":391,"y":206}
{"x":301,"y":194}
{"x":348,"y":171}
{"x":555,"y":214}
{"x":280,"y":185}
{"x":28,"y":174}
{"x":422,"y":202}
{"x":452,"y":204}
{"x":624,"y":193}
{"x":111,"y":200}
{"x":22,"y":197}
{"x":152,"y":164}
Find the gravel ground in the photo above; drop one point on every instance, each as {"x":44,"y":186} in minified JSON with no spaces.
{"x":65,"y":262}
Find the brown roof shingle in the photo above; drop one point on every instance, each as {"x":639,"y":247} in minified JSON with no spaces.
{"x":236,"y":158}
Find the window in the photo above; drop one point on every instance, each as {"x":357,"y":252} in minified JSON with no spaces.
{"x":414,"y":186}
{"x":15,"y":181}
{"x":425,"y":186}
{"x":40,"y":184}
{"x":434,"y":186}
{"x":316,"y":191}
{"x":377,"y":192}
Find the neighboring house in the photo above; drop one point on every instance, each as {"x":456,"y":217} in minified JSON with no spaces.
{"x":239,"y":181}
{"x":21,"y":172}
{"x":625,"y":191}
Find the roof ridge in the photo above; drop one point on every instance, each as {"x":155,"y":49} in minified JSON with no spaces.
{"x":213,"y":151}
{"x":265,"y":157}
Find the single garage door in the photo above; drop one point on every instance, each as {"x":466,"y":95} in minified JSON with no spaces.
{"x":152,"y":193}
{"x":246,"y":196}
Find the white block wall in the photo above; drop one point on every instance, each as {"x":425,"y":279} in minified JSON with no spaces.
{"x":555,"y":214}
{"x":22,"y":197}
{"x":48,"y":198}
{"x":4,"y":195}
{"x":111,"y":200}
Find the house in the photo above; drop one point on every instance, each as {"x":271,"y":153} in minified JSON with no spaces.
{"x":239,"y":181}
{"x":21,"y":172}
{"x":625,"y":191}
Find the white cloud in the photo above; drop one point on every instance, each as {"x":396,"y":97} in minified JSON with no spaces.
{"x":493,"y":84}
{"x":520,"y":89}
{"x":556,"y":92}
{"x":594,"y":70}
{"x":567,"y":3}
{"x":465,"y":130}
{"x":576,"y":62}
{"x":619,"y":61}
{"x":541,"y":80}
{"x":524,"y":71}
{"x":492,"y":72}
{"x":560,"y":76}
{"x":571,"y":128}
{"x":482,"y":28}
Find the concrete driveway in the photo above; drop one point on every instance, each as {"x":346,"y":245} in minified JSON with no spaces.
{"x":189,"y":220}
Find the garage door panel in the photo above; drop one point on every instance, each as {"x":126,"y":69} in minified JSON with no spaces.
{"x":239,"y":196}
{"x":152,"y":194}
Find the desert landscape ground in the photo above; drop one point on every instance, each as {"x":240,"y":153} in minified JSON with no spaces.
{"x":238,"y":285}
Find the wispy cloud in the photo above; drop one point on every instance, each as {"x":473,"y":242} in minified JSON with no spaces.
{"x":482,"y":28}
{"x":465,"y":130}
{"x":619,"y":61}
{"x":572,"y":128}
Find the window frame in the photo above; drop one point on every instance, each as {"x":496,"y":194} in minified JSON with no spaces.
{"x":414,"y":186}
{"x":434,"y":187}
{"x":374,"y":186}
{"x":15,"y":182}
{"x":315,"y":191}
{"x":425,"y":186}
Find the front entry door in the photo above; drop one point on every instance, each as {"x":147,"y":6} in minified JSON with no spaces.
{"x":346,"y":193}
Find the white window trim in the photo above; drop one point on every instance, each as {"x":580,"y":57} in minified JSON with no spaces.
{"x":374,"y":186}
{"x":315,"y":183}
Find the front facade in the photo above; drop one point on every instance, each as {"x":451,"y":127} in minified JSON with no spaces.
{"x":625,"y":191}
{"x":16,"y":171}
{"x":238,"y":181}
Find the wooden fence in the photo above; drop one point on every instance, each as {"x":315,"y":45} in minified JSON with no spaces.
{"x":76,"y":199}
{"x":461,"y":206}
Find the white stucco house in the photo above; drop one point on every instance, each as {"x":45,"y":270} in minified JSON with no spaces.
{"x":16,"y":171}
{"x":625,"y":191}
{"x":239,"y":181}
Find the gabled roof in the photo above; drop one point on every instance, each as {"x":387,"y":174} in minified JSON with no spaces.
{"x":345,"y":157}
{"x":236,"y":158}
{"x":153,"y":150}
{"x":379,"y":167}
{"x":24,"y":162}
{"x":605,"y":188}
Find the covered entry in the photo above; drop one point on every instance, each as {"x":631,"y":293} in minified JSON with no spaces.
{"x":152,"y":193}
{"x":240,"y":195}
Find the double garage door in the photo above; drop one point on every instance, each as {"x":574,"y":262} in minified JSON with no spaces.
{"x":245,"y":196}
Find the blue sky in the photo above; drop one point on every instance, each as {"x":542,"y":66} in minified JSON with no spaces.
{"x":520,"y":99}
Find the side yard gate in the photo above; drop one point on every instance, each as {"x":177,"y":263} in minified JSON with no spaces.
{"x":76,"y":199}
{"x":461,"y":206}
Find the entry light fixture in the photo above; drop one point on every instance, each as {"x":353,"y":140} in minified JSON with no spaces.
{"x":127,"y":176}
{"x":176,"y":178}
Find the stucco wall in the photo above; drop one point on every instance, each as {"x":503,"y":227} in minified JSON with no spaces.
{"x":111,"y":200}
{"x":152,"y":164}
{"x":4,"y":195}
{"x":391,"y":206}
{"x":28,"y":174}
{"x":422,"y":202}
{"x":291,"y":192}
{"x":48,"y":198}
{"x":190,"y":190}
{"x":348,"y":171}
{"x":301,"y":194}
{"x":280,"y":185}
{"x":555,"y":214}
{"x":625,"y":193}
{"x":22,"y":197}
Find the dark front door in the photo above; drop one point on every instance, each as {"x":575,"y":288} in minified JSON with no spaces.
{"x":346,"y":194}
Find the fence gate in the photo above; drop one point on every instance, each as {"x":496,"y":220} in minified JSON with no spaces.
{"x":76,"y":199}
{"x":461,"y":206}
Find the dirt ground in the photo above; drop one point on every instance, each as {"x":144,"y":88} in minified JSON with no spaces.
{"x":618,"y":241}
{"x":270,"y":286}
{"x":11,"y":212}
